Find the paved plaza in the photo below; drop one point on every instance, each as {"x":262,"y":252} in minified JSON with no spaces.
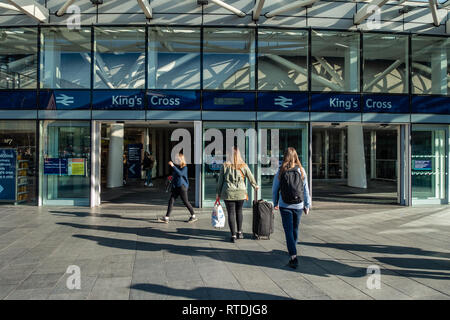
{"x":124,"y":253}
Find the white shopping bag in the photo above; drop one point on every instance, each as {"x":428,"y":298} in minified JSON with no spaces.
{"x":218,"y":216}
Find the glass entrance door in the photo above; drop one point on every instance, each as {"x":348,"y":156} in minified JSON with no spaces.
{"x":214,"y":154}
{"x":429,"y":165}
{"x":65,"y":163}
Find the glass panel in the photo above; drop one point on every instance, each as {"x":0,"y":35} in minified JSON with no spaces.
{"x":21,"y":137}
{"x":65,"y":58}
{"x":229,"y":59}
{"x":66,"y":153}
{"x":119,"y":58}
{"x":430,"y":65}
{"x":329,"y":153}
{"x":335,"y":61}
{"x":385,"y":63}
{"x":386,"y":155}
{"x":18,"y":58}
{"x":282,"y":60}
{"x":174,"y":58}
{"x":213,"y":159}
{"x":429,"y":159}
{"x":274,"y":139}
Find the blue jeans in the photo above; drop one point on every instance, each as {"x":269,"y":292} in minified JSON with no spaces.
{"x":291,"y":221}
{"x":149,"y":176}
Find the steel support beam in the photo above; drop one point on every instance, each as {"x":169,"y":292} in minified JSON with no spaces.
{"x":367,"y":10}
{"x":433,"y":9}
{"x":257,"y":9}
{"x":31,"y":8}
{"x":289,"y":7}
{"x":236,"y":11}
{"x":145,"y":6}
{"x":64,"y":8}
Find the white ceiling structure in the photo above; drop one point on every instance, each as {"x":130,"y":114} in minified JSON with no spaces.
{"x":37,"y":11}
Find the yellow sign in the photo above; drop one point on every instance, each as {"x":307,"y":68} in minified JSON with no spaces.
{"x":77,"y":167}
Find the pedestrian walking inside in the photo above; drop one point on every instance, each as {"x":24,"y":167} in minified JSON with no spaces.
{"x":290,"y":194}
{"x":180,"y":186}
{"x":147,"y":166}
{"x":232,"y":188}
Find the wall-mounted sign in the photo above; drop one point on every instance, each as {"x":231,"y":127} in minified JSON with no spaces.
{"x":56,"y":166}
{"x":173,"y":100}
{"x":134,"y":160}
{"x":233,"y":101}
{"x":77,"y":167}
{"x":283,"y":101}
{"x":335,"y":103}
{"x":65,"y":100}
{"x":118,"y":100}
{"x":8,"y":174}
{"x":430,"y":104}
{"x":18,"y":99}
{"x":422,"y":165}
{"x":388,"y":104}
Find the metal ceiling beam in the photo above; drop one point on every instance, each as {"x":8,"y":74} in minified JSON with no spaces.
{"x":433,"y":9}
{"x":32,"y":9}
{"x":367,"y":10}
{"x":236,"y":11}
{"x":63,"y":9}
{"x":145,"y":6}
{"x":257,"y":9}
{"x":289,"y":7}
{"x":448,"y":26}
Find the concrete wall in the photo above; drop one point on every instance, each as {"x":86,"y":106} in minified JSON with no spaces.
{"x":323,"y":14}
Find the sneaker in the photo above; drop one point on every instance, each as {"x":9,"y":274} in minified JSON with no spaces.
{"x":145,"y":184}
{"x":192,"y":219}
{"x":164,"y":219}
{"x":233,"y":239}
{"x":240,"y":235}
{"x":150,"y":185}
{"x":293,"y":263}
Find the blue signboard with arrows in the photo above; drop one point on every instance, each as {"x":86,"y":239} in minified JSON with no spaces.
{"x":8,"y":174}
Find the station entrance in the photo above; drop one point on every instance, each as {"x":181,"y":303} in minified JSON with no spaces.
{"x":124,"y":144}
{"x":356,"y":163}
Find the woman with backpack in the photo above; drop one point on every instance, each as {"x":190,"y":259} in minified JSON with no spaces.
{"x":180,"y":186}
{"x":232,"y":187}
{"x":147,"y":165}
{"x":290,"y":194}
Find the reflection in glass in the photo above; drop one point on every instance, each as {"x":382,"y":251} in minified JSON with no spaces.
{"x":282,"y":60}
{"x":335,"y":61}
{"x":66,"y":58}
{"x":430,"y":65}
{"x":18,"y":58}
{"x":229,"y":59}
{"x":385,"y":63}
{"x":119,"y":61}
{"x":174,"y":58}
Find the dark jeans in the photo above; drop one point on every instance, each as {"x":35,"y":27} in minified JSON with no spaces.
{"x":291,"y":221}
{"x":183,"y":193}
{"x":234,"y":210}
{"x":148,"y":177}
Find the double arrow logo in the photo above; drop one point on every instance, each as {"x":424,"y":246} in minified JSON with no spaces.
{"x":65,"y":100}
{"x":283,"y":102}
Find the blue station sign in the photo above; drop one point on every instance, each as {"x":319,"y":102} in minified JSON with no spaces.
{"x":56,"y":166}
{"x":65,"y":100}
{"x":387,"y":104}
{"x":8,"y":174}
{"x":173,"y":100}
{"x":427,"y":104}
{"x":335,"y":103}
{"x":118,"y":100}
{"x":233,"y":101}
{"x":283,"y":101}
{"x":18,"y":99}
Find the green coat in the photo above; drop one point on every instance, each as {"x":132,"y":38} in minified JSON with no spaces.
{"x":231,"y":185}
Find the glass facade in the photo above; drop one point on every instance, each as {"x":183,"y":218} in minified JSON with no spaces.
{"x":335,"y":61}
{"x":430,"y":65}
{"x":385,"y":63}
{"x":119,"y":60}
{"x":18,"y":58}
{"x":282,"y":60}
{"x":65,"y":58}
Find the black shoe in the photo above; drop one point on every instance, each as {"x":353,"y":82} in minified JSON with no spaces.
{"x":240,"y":235}
{"x":233,"y":239}
{"x":293,"y":263}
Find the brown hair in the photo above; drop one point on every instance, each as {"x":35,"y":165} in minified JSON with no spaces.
{"x":234,"y":159}
{"x":290,"y":159}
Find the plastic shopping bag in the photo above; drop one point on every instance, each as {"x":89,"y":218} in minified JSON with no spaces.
{"x":218,"y":216}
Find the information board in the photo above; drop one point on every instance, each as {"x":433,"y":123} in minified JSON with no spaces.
{"x":8,"y":162}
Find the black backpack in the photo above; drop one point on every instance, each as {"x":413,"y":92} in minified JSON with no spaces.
{"x":291,"y":186}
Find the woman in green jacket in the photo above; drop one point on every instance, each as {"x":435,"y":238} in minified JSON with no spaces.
{"x":233,"y":189}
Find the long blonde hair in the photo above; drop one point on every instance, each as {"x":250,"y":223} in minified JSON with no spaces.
{"x":182,"y":160}
{"x":290,"y":159}
{"x":234,"y":159}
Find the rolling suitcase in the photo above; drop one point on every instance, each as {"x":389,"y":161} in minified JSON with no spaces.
{"x":263,"y":218}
